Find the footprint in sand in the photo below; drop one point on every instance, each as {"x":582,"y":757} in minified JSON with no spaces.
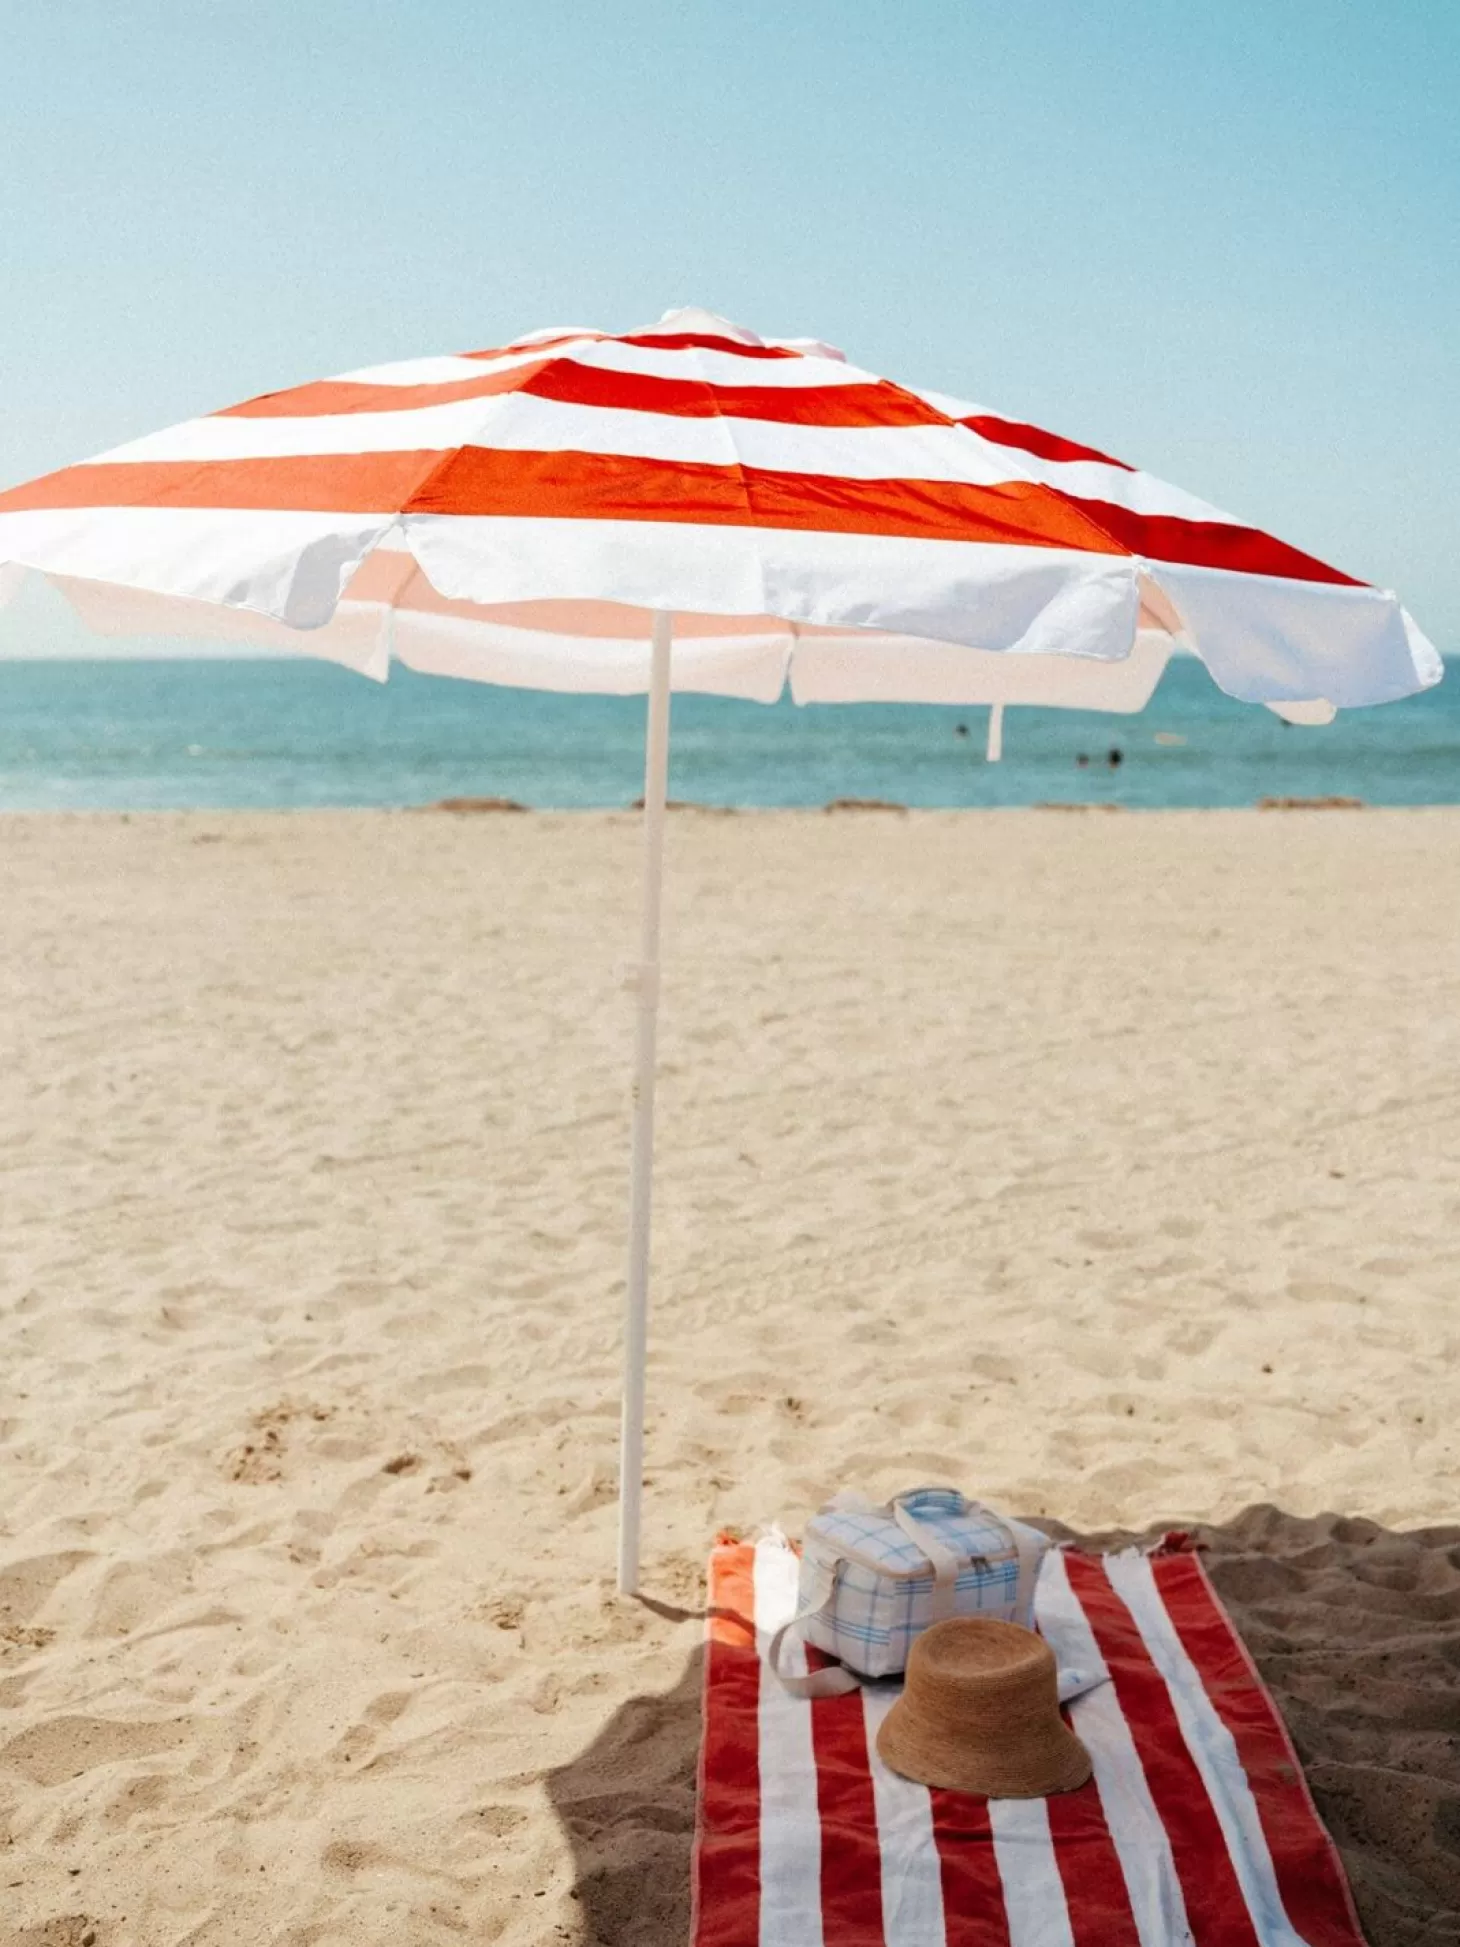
{"x":498,"y":1820}
{"x":26,"y":1586}
{"x":1108,"y":1240}
{"x":133,"y":1595}
{"x":64,"y":1747}
{"x":351,"y":1856}
{"x":260,"y":1458}
{"x":66,"y":1930}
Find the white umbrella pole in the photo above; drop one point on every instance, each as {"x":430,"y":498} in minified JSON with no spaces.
{"x":645,"y":984}
{"x":995,"y":748}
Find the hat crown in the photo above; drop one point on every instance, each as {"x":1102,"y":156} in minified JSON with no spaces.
{"x":990,"y":1660}
{"x":980,"y":1712}
{"x":981,"y":1675}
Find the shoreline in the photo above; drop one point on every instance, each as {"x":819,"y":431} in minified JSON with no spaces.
{"x":1294,"y":808}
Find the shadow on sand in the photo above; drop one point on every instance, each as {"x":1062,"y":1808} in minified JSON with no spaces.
{"x":1355,"y":1628}
{"x":627,"y":1809}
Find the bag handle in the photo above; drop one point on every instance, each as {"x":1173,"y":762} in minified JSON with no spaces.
{"x":1026,"y":1554}
{"x":945,"y":1563}
{"x":941,"y":1558}
{"x":835,"y":1681}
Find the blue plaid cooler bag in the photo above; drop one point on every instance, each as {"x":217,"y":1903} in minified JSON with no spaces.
{"x":873,"y":1578}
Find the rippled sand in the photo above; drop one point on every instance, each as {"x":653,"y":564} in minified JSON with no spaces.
{"x":1106,"y":1165}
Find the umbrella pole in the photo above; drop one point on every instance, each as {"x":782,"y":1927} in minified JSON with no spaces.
{"x":644,"y":982}
{"x":995,"y":749}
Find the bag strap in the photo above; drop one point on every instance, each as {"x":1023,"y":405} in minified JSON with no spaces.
{"x":941,"y":1558}
{"x":1026,"y":1556}
{"x":837,"y":1681}
{"x":945,"y":1564}
{"x":1029,"y":1555}
{"x":833,"y":1682}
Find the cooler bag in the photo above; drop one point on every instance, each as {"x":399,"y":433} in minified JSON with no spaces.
{"x":873,"y":1578}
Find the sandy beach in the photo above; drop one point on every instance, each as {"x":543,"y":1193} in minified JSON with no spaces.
{"x":1105,"y":1165}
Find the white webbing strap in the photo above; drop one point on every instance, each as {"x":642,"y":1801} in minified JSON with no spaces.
{"x":1027,"y":1554}
{"x":833,"y":1682}
{"x":838,"y":1680}
{"x":1030,"y":1554}
{"x":942,"y":1560}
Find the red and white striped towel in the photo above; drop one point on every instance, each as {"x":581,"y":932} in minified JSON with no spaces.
{"x":1196,"y":1827}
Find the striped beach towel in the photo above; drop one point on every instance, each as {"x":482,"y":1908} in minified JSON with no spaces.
{"x":1196,"y":1827}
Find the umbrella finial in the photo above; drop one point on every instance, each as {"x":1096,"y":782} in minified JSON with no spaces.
{"x":693,"y":317}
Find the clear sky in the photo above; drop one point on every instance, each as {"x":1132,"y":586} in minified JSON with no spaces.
{"x":1221,"y":241}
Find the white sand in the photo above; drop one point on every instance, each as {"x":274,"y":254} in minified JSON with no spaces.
{"x":1104,"y":1165}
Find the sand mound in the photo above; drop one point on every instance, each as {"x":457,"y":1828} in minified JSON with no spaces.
{"x":1356,"y":1630}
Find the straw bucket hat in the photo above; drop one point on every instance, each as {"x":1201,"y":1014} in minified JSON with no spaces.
{"x":980,"y":1713}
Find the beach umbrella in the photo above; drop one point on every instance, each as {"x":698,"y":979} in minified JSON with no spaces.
{"x":693,"y":507}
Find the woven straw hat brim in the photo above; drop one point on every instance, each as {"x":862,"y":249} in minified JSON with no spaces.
{"x":1054,"y":1762}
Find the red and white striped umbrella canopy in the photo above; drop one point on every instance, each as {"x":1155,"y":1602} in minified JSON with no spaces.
{"x":511,"y":514}
{"x":516,"y":515}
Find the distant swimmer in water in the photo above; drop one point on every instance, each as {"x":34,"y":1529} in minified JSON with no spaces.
{"x":960,"y":730}
{"x":1082,"y":760}
{"x":1116,"y":756}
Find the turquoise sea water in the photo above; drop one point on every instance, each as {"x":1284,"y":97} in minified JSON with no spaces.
{"x":155,"y":735}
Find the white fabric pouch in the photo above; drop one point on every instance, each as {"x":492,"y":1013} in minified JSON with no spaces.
{"x":873,"y":1578}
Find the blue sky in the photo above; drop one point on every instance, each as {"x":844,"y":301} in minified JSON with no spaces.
{"x":1222,"y":242}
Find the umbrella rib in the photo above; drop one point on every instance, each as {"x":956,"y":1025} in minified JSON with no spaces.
{"x":724,"y":422}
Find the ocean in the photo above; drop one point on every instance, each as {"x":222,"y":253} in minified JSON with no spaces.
{"x":279,"y":734}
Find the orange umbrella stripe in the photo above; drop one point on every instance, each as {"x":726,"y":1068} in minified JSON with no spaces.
{"x":580,"y":486}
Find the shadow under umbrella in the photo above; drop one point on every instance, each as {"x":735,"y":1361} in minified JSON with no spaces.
{"x":627,"y":1809}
